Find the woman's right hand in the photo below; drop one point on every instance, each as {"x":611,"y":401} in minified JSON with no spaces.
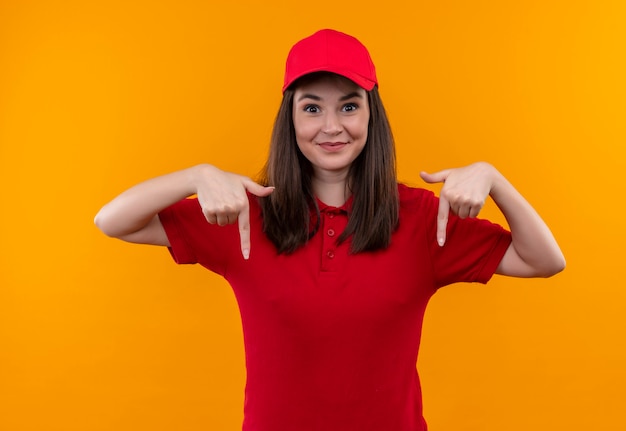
{"x":133,"y":215}
{"x":224,"y":200}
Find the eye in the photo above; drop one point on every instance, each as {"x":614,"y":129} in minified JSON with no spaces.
{"x":350,"y":107}
{"x":313,"y":109}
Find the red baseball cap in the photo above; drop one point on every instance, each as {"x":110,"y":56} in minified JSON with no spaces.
{"x":331,"y":51}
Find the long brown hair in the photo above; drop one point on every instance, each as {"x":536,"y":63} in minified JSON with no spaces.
{"x":287,"y":219}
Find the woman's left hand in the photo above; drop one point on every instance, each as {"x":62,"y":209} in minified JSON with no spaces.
{"x":464,"y":192}
{"x":533,"y":251}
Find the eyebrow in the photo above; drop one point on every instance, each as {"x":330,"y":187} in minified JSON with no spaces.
{"x":341,"y":99}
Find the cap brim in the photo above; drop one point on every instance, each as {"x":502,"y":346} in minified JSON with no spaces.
{"x":359,"y":80}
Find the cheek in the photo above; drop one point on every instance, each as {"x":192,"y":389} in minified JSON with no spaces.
{"x":359,"y":128}
{"x":305,"y":130}
{"x":303,"y":137}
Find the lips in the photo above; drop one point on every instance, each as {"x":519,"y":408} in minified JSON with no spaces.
{"x":332,"y":146}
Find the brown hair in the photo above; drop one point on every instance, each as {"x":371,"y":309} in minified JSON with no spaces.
{"x":287,"y":219}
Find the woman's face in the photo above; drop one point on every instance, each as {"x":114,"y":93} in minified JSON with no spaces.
{"x":330,"y":116}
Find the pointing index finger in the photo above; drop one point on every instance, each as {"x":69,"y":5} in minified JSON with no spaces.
{"x":244,"y":230}
{"x":442,"y":220}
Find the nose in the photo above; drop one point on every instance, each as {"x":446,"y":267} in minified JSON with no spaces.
{"x":332,"y":124}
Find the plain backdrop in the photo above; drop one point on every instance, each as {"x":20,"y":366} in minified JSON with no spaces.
{"x":96,"y":96}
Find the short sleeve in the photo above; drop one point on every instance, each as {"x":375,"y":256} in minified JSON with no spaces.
{"x":473,"y":250}
{"x":194,"y":240}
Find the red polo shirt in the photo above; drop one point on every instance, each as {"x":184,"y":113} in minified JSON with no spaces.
{"x":331,"y":338}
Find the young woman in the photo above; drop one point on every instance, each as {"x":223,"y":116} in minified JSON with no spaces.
{"x":331,"y":260}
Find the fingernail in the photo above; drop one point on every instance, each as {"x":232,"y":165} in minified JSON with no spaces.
{"x":440,"y":242}
{"x":246,"y":253}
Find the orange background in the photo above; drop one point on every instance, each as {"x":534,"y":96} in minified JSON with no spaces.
{"x":96,"y":334}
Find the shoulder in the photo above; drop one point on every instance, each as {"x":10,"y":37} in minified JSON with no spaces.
{"x":415,"y":197}
{"x":185,"y":208}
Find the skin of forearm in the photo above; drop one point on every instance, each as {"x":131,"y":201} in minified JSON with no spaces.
{"x":134,"y":208}
{"x":531,"y":238}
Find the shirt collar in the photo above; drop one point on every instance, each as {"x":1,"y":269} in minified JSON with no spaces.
{"x":345,"y":208}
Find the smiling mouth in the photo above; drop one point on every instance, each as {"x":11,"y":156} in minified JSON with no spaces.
{"x":332,"y":146}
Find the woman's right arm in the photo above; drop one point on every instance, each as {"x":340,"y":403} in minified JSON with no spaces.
{"x":133,"y":215}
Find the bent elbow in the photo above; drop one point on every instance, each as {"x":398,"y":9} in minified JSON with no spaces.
{"x":102,"y":222}
{"x":556,"y":266}
{"x":561,"y":266}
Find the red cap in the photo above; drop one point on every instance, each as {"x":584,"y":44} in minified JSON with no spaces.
{"x":331,"y":51}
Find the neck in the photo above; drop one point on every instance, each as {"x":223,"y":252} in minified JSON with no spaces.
{"x":332,"y":189}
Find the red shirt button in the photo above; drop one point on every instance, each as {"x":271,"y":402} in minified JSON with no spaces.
{"x":331,"y":232}
{"x":331,"y":215}
{"x":330,"y":254}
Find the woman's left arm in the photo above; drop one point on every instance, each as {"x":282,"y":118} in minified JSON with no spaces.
{"x":533,"y":251}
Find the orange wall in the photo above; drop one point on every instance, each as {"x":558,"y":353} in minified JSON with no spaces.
{"x":96,"y":96}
